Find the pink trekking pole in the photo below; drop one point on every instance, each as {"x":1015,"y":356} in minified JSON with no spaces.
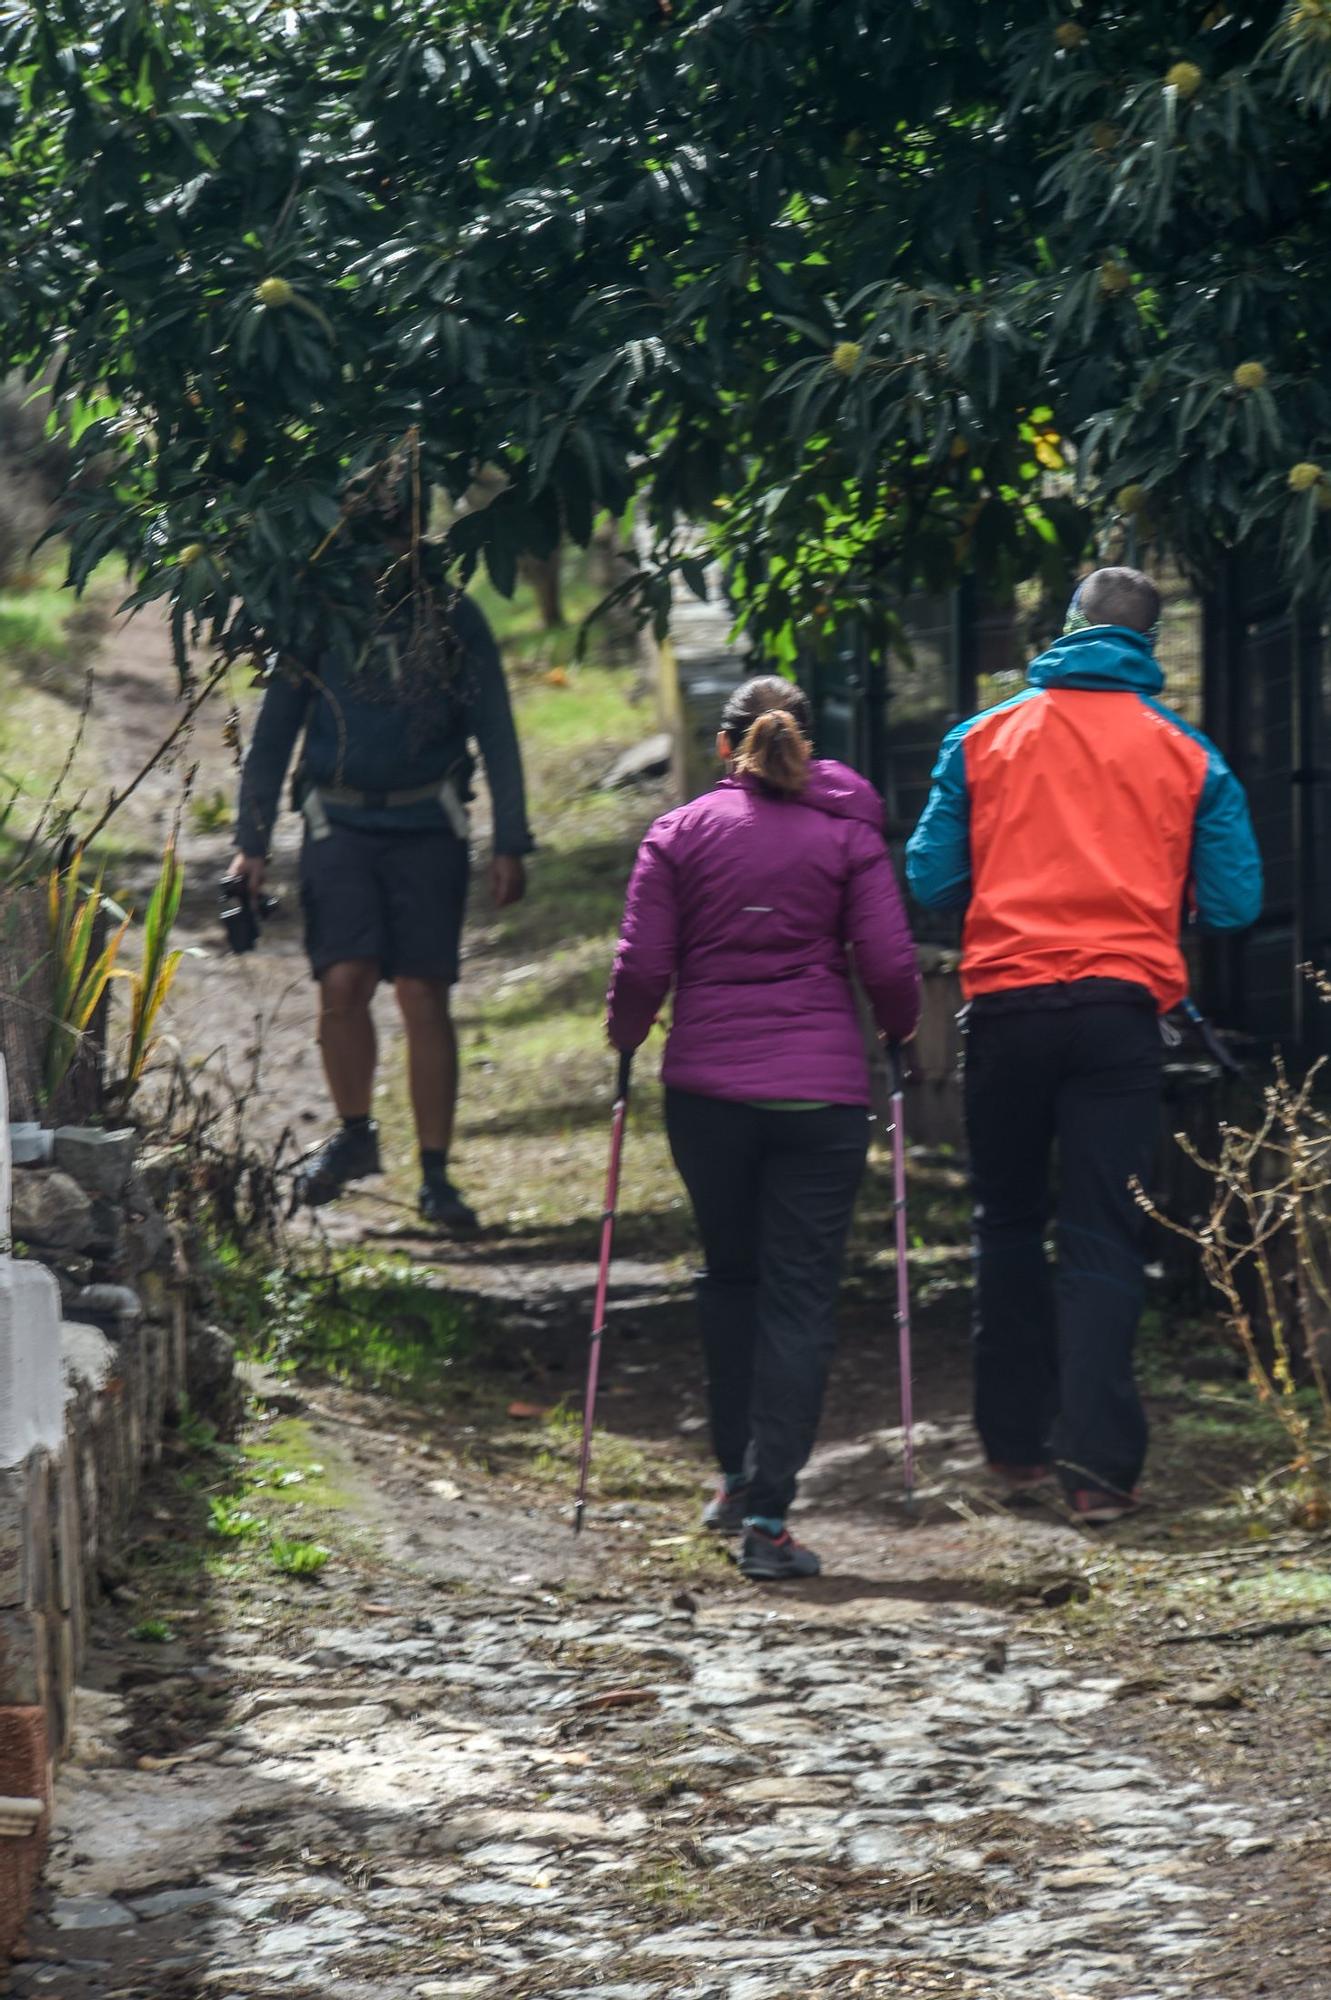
{"x":903,"y":1274}
{"x":619,"y":1118}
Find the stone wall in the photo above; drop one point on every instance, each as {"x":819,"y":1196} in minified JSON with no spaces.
{"x":96,"y":1355}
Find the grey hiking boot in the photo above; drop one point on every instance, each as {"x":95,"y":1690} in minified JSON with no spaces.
{"x":776,"y":1558}
{"x":350,"y":1155}
{"x":441,"y":1204}
{"x":725,"y":1511}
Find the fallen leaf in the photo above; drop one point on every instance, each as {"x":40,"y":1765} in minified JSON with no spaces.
{"x":1209,"y":1694}
{"x":620,"y":1698}
{"x":527,"y":1410}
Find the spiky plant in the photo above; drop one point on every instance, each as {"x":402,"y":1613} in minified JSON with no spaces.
{"x":80,"y":979}
{"x":157,"y":969}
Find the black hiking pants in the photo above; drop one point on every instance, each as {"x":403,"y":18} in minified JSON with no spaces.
{"x":1053,"y":1351}
{"x":773,"y":1193}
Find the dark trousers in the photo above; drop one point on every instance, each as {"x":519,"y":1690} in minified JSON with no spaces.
{"x":773,"y":1193}
{"x":1053,"y":1353}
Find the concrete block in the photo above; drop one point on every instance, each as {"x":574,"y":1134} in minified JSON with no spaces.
{"x":177,"y":1371}
{"x":24,"y":1680}
{"x":32,"y":1392}
{"x":61,"y":1680}
{"x":109,"y":1242}
{"x":101,"y":1162}
{"x":88,"y":1361}
{"x":157,"y":1292}
{"x":211,"y":1376}
{"x":38,"y":1581}
{"x":85,"y":1455}
{"x":31,"y":1145}
{"x":51,"y":1211}
{"x":154,"y":1343}
{"x":13,"y":1535}
{"x":6,"y":1159}
{"x":111,"y":1307}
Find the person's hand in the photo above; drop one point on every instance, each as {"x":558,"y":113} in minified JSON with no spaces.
{"x":508,"y":881}
{"x":252,"y":870}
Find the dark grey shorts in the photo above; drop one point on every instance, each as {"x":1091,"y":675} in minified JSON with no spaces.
{"x":395,"y":898}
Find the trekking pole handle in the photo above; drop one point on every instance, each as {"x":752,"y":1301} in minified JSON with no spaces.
{"x":898,"y":1066}
{"x":622,"y":1085}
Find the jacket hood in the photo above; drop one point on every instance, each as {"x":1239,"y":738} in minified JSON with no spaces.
{"x":833,"y":789}
{"x":1099,"y":656}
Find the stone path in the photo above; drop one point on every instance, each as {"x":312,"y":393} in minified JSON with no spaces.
{"x":567,"y":1782}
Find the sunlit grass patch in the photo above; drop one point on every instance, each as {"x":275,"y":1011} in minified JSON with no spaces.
{"x":622,"y":1468}
{"x":373,"y":1322}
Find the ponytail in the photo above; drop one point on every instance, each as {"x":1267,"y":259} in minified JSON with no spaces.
{"x":775,"y":751}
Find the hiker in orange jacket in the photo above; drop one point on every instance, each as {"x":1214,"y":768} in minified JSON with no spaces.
{"x":1074,"y":823}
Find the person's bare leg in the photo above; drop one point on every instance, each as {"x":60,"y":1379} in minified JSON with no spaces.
{"x":432,"y":1060}
{"x":346,"y":1034}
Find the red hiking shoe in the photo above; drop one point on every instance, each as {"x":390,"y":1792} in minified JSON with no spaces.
{"x":1022,"y":1482}
{"x":1097,"y":1508}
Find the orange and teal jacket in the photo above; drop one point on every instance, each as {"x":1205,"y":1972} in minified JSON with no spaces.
{"x":1078,"y":822}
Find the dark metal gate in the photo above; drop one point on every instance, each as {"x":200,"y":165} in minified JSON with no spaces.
{"x":1268,"y":706}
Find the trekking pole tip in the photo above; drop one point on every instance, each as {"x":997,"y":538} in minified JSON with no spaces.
{"x":579,"y":1507}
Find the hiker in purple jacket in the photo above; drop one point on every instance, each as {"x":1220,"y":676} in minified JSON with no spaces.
{"x":752,"y":902}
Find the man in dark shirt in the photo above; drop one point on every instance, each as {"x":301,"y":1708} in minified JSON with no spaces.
{"x":382,"y":780}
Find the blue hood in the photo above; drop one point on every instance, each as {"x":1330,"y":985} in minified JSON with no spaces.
{"x":1100,"y":656}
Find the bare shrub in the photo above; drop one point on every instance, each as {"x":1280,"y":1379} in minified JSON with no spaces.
{"x":1265,"y":1246}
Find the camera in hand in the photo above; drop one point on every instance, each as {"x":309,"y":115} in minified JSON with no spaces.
{"x":242,"y":913}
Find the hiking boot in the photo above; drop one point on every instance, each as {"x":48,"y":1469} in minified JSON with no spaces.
{"x":1022,"y":1482}
{"x":441,"y":1204}
{"x":725,"y":1511}
{"x":350,"y":1155}
{"x":776,"y":1558}
{"x":1099,"y":1509}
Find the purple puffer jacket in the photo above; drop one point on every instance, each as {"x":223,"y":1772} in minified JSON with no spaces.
{"x":748,"y":904}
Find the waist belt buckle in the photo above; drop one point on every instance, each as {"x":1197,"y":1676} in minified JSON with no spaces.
{"x":316,"y":817}
{"x":455,"y":811}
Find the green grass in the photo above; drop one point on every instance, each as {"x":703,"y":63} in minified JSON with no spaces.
{"x":281,"y":1470}
{"x":152,"y":1632}
{"x":516,"y":621}
{"x":34,"y":617}
{"x":374,"y":1322}
{"x":230,"y":1519}
{"x":47,"y":638}
{"x":305,"y":1559}
{"x":622,"y":1468}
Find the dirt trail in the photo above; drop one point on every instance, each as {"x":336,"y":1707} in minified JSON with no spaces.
{"x":483,"y":1758}
{"x":477,"y":1757}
